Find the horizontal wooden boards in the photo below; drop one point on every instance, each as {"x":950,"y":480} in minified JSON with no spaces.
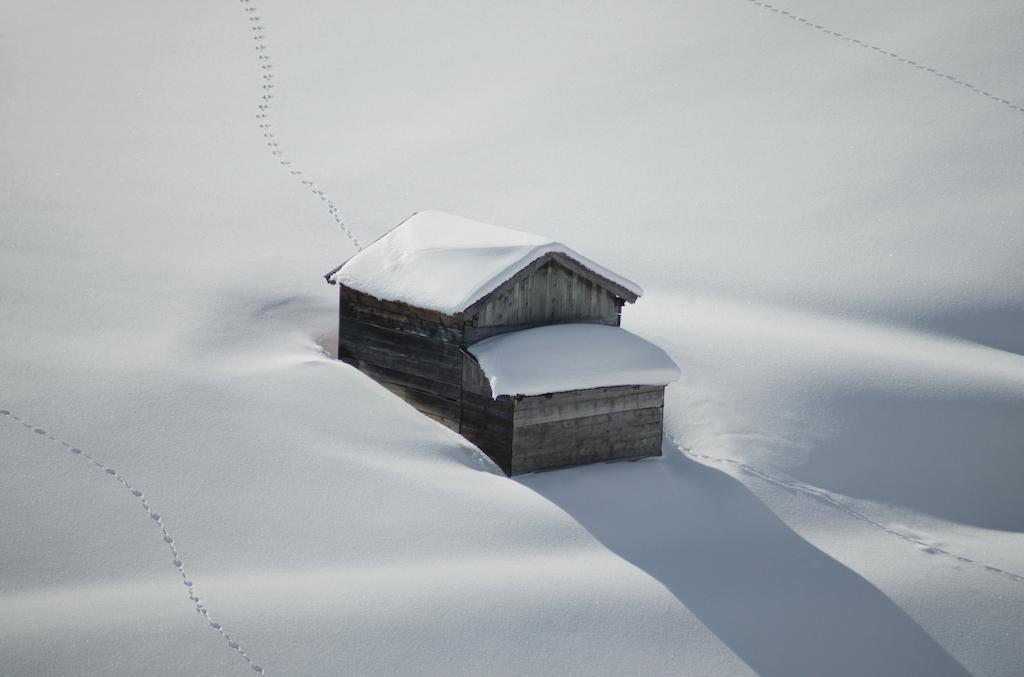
{"x":473,"y":378}
{"x":487,"y":423}
{"x":500,"y":410}
{"x":587,"y":426}
{"x":623,"y":424}
{"x":353,"y":301}
{"x":606,"y":437}
{"x":401,"y":341}
{"x":403,"y":323}
{"x":400,"y":351}
{"x":409,"y":380}
{"x":412,"y":353}
{"x":612,"y":450}
{"x":591,"y":402}
{"x":442,"y":409}
{"x":446,"y":422}
{"x":498,"y":450}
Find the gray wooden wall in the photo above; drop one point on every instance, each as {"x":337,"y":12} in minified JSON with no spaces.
{"x":412,"y":352}
{"x":486,"y":422}
{"x":549,"y":293}
{"x":584,"y":426}
{"x":541,"y":432}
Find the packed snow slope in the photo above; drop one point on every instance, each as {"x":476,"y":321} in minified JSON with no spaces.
{"x":830,"y":240}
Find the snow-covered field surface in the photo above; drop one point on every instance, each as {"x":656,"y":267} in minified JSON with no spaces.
{"x":831,"y":241}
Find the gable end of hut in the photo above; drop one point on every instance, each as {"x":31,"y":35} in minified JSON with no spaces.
{"x":553,"y":289}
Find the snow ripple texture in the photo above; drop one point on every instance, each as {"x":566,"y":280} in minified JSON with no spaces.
{"x":829,"y":499}
{"x":157,"y":521}
{"x":892,"y":55}
{"x":266,"y":126}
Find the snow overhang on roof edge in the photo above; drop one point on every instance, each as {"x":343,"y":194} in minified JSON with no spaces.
{"x":428,"y":259}
{"x":574,"y":356}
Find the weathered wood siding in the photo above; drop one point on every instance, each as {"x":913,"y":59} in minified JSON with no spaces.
{"x":548,"y":293}
{"x":412,"y":352}
{"x":486,"y":422}
{"x":418,"y":354}
{"x":526,"y":434}
{"x":584,"y":426}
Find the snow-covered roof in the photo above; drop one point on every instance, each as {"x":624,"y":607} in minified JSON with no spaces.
{"x":444,"y":262}
{"x":561,"y":357}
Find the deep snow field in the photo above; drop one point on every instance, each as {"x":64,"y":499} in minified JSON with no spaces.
{"x":831,"y":241}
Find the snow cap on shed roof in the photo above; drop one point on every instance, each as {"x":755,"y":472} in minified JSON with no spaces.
{"x":559,"y":357}
{"x":444,"y":262}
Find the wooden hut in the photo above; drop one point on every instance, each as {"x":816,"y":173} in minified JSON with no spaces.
{"x":452,"y":315}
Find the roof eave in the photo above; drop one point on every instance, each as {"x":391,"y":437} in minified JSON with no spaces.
{"x":330,"y":273}
{"x":334,"y":270}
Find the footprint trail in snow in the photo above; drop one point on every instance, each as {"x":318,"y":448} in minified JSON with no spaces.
{"x":829,"y":499}
{"x":884,"y":52}
{"x":263,"y":116}
{"x":157,"y":521}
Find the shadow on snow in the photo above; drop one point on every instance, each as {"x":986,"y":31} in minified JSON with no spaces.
{"x":783,"y":606}
{"x":952,"y":454}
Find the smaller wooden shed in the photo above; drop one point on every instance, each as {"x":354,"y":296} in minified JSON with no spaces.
{"x":454,"y":316}
{"x":564,"y":395}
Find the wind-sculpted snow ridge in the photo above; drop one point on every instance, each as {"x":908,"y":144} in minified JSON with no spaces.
{"x":157,"y":521}
{"x":263,"y":116}
{"x":892,"y":55}
{"x":829,"y":499}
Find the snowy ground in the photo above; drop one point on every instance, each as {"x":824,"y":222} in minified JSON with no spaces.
{"x":830,"y":239}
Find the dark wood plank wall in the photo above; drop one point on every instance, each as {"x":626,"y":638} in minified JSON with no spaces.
{"x":486,"y":422}
{"x":584,"y":426}
{"x":412,"y":352}
{"x":548,"y":293}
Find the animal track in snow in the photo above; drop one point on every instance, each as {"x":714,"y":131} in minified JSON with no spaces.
{"x":827,"y":498}
{"x":884,"y":52}
{"x":176,"y":560}
{"x":263,"y":117}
